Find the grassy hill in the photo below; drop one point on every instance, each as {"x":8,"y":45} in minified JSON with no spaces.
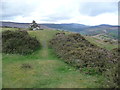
{"x":43,"y":69}
{"x":101,"y":43}
{"x":111,"y":31}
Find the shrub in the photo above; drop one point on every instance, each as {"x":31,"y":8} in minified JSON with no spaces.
{"x":112,"y":73}
{"x":91,"y":59}
{"x":112,"y":77}
{"x":79,"y":52}
{"x":18,"y":42}
{"x":116,"y":50}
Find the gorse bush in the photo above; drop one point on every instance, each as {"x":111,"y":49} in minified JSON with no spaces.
{"x":18,"y":42}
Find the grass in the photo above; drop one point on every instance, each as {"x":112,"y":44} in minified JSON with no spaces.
{"x":101,"y":43}
{"x":4,"y":29}
{"x":46,"y":69}
{"x":46,"y":74}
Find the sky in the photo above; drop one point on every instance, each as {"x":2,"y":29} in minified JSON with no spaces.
{"x":88,"y":12}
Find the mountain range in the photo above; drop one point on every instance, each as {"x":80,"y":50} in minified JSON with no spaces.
{"x":105,"y":29}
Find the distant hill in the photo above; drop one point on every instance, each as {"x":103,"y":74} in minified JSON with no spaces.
{"x":19,"y":25}
{"x":106,"y":30}
{"x":109,"y":31}
{"x":73,"y":27}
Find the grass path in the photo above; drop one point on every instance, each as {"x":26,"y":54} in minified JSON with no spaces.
{"x":44,"y":50}
{"x":46,"y":71}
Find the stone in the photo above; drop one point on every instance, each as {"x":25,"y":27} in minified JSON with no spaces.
{"x":34,"y":26}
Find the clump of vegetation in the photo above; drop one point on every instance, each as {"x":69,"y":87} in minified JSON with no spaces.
{"x":112,"y":73}
{"x":26,"y":66}
{"x":79,"y":52}
{"x":116,"y":50}
{"x":18,"y":42}
{"x":112,"y":77}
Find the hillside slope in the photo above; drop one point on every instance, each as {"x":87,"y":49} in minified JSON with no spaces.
{"x":111,"y":31}
{"x":45,"y":70}
{"x":101,"y":43}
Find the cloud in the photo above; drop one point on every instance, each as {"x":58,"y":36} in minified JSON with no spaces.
{"x":13,"y":8}
{"x":60,"y":11}
{"x":96,"y":8}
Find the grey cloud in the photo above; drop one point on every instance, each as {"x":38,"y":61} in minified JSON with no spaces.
{"x":54,"y":18}
{"x":13,"y":9}
{"x":96,"y":8}
{"x":65,"y":12}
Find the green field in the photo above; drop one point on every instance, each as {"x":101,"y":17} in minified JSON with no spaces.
{"x":46,"y":69}
{"x":101,"y":43}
